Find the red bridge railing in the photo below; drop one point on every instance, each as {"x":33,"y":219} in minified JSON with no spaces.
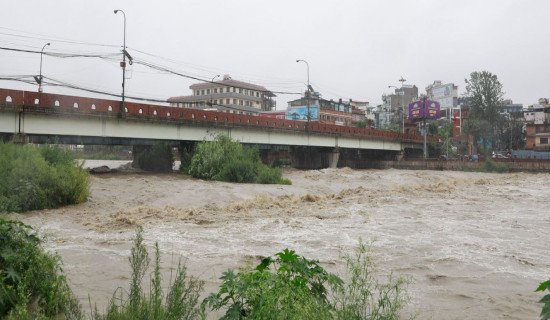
{"x":57,"y":103}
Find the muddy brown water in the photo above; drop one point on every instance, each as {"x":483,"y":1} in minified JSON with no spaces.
{"x":476,"y":244}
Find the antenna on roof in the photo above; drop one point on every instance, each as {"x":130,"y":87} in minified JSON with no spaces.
{"x":402,"y":80}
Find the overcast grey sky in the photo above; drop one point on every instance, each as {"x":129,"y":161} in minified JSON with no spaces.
{"x":355,"y":49}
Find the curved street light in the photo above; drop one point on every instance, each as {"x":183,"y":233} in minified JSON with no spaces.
{"x":307,"y":91}
{"x":123,"y":63}
{"x":40,"y":76}
{"x":211,"y":85}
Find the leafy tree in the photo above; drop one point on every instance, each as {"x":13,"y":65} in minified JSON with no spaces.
{"x":485,"y":95}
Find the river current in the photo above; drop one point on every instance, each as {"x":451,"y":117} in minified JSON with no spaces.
{"x":475,"y":244}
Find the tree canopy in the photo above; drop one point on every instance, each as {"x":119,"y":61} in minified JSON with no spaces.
{"x":485,"y":94}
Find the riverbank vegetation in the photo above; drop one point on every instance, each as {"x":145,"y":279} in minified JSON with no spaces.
{"x":32,"y":284}
{"x":282,"y":286}
{"x":35,"y":178}
{"x":227,"y":160}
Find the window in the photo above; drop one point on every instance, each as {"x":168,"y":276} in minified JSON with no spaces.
{"x":215,"y":90}
{"x":110,"y":108}
{"x":227,"y":101}
{"x":543,"y":140}
{"x":234,"y":89}
{"x":227,"y":89}
{"x":202,"y":91}
{"x":93,"y":106}
{"x":8,"y":99}
{"x":257,"y":94}
{"x":56,"y":103}
{"x":240,"y":102}
{"x":75,"y":105}
{"x":240,"y":90}
{"x":207,"y":91}
{"x":234,"y":101}
{"x":215,"y":101}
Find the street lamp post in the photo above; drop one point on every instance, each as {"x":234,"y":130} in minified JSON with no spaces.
{"x":211,"y":85}
{"x":123,"y":63}
{"x":307,"y":91}
{"x":40,"y":76}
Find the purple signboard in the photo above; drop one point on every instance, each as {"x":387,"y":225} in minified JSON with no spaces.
{"x":424,"y":108}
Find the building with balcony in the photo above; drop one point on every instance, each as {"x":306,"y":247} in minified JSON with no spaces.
{"x":227,"y":95}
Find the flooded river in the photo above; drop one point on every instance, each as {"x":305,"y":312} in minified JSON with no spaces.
{"x":476,"y":244}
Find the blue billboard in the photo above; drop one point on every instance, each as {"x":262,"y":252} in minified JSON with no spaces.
{"x":300,"y":113}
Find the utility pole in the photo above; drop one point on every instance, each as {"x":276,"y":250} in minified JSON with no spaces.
{"x":424,"y":126}
{"x":123,"y":63}
{"x":307,"y":92}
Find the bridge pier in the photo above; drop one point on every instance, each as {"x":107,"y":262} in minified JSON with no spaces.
{"x":314,"y":157}
{"x":137,"y":151}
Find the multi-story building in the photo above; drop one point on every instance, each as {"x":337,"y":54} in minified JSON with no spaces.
{"x":322,"y":110}
{"x":227,"y":95}
{"x":394,"y":110}
{"x":537,"y":126}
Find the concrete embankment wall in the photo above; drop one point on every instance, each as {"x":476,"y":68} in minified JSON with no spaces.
{"x":524,"y":165}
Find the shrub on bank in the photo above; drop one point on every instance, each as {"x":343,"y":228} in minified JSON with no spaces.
{"x":226,"y":160}
{"x":289,"y":286}
{"x":32,"y":285}
{"x":39,"y":178}
{"x":492,"y":166}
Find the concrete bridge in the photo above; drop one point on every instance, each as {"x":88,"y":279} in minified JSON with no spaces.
{"x":35,"y":117}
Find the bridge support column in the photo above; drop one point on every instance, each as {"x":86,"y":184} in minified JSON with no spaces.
{"x":313,"y":157}
{"x":333,"y":158}
{"x":137,"y":151}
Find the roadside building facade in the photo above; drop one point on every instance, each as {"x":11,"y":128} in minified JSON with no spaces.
{"x":227,"y":95}
{"x":321,"y":110}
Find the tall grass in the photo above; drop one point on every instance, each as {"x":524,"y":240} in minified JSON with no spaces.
{"x":180,"y":302}
{"x":39,"y":178}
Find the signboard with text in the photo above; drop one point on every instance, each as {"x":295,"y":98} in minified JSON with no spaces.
{"x":424,"y":108}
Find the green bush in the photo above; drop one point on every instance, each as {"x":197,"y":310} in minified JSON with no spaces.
{"x":545,"y":313}
{"x":293,"y":287}
{"x":31,"y":281}
{"x":181,"y":302}
{"x":159,"y":158}
{"x":39,"y":178}
{"x":226,"y":160}
{"x":285,"y":287}
{"x":492,"y":166}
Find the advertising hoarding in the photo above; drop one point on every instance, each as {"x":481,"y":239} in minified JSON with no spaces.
{"x":424,"y":108}
{"x":300,"y":113}
{"x":444,"y":95}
